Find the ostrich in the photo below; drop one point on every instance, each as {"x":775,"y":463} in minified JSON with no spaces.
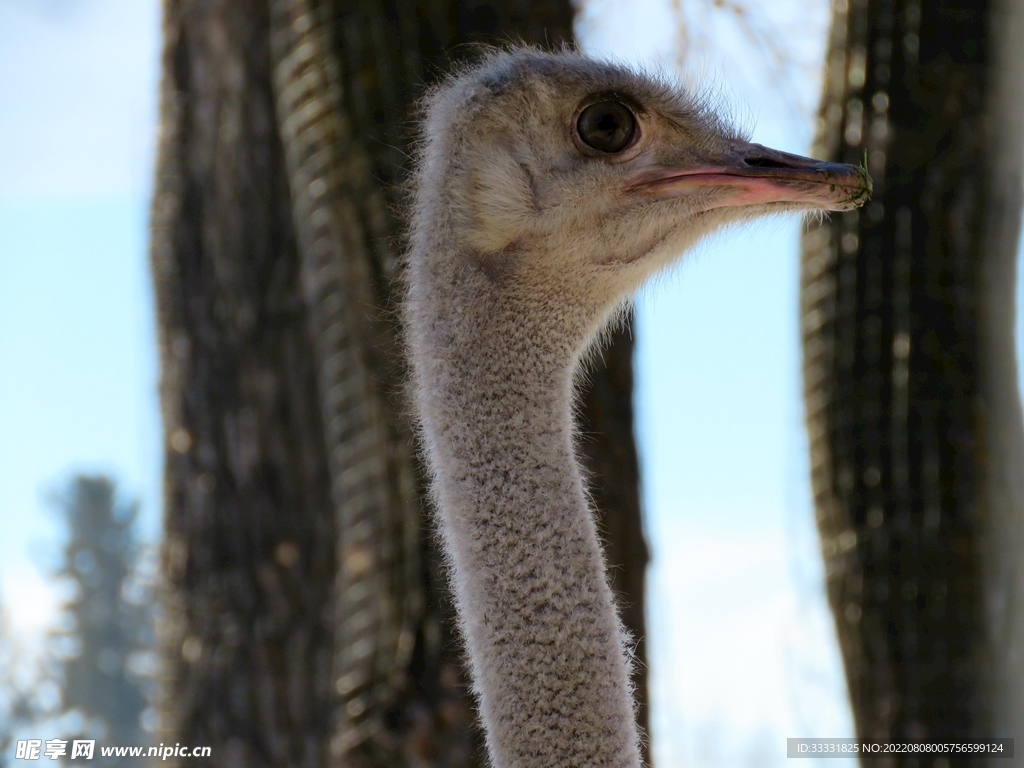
{"x":548,"y":188}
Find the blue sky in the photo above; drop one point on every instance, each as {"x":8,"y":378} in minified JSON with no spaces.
{"x":78,"y":372}
{"x":742,"y":652}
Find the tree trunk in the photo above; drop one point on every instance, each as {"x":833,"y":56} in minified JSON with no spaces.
{"x":249,"y":553}
{"x":911,"y":394}
{"x":308,"y":617}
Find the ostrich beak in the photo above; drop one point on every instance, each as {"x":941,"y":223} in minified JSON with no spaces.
{"x":756,"y":175}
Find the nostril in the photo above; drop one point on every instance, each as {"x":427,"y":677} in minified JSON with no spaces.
{"x":765,"y":162}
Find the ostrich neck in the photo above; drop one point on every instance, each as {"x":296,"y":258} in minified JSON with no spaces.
{"x":544,"y":641}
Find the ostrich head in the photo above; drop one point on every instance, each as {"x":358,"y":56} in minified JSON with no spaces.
{"x":548,"y":188}
{"x":552,"y":171}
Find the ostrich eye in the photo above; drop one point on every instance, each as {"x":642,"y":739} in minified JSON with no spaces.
{"x":607,"y":126}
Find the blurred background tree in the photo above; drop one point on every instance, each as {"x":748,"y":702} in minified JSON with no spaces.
{"x":307,"y":602}
{"x":909,"y":372}
{"x":95,"y":676}
{"x":19,"y":705}
{"x":107,"y":639}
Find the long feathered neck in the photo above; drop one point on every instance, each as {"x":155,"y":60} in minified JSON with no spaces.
{"x":493,"y":378}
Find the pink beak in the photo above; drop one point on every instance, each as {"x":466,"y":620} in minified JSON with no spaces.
{"x":756,"y":175}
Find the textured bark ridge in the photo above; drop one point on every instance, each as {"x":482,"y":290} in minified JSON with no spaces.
{"x":912,"y":409}
{"x":275,"y":356}
{"x":378,"y":592}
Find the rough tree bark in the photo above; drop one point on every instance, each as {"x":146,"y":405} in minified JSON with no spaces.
{"x":910,"y":382}
{"x":262,"y":510}
{"x":249,"y":555}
